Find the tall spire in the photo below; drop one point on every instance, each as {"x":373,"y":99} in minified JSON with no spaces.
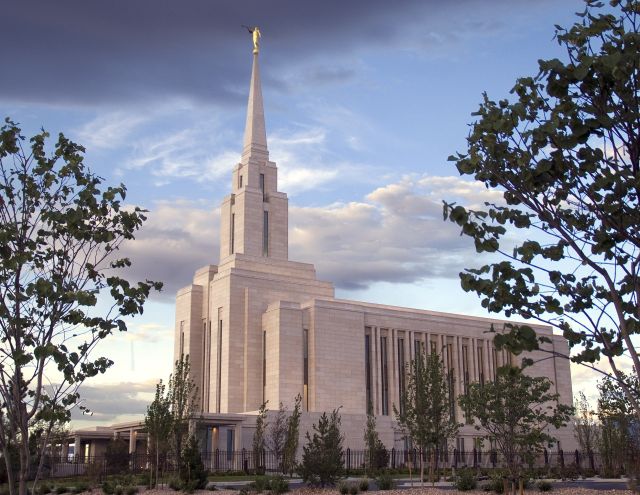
{"x":255,"y":134}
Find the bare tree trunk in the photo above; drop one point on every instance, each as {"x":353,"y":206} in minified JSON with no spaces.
{"x":10,"y":475}
{"x":421,"y":467}
{"x":431,"y":466}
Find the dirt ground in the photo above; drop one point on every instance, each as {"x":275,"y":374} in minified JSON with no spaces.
{"x":407,"y":491}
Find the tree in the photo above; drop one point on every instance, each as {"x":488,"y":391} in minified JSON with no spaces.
{"x":377,"y":455}
{"x":564,"y":156}
{"x":158,"y":425}
{"x":322,"y":455}
{"x":59,"y":235}
{"x":585,"y":424}
{"x":426,"y":414}
{"x":291,"y":443}
{"x":619,"y":441}
{"x":183,"y":395}
{"x":259,"y":436}
{"x":277,"y":434}
{"x":116,"y":456}
{"x":192,"y":472}
{"x":516,"y":412}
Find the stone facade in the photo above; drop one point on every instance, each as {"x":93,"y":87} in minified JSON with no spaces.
{"x":258,"y":327}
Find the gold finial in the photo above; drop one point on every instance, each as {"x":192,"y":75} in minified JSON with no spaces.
{"x":255,"y":32}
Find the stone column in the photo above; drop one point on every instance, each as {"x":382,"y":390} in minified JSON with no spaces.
{"x":77,"y":444}
{"x":237,"y":437}
{"x":65,"y":450}
{"x":132,"y":441}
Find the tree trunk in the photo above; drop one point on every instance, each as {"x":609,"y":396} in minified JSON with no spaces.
{"x":421,"y":467}
{"x":24,"y":467}
{"x":431,"y":465}
{"x":10,"y":474}
{"x":521,"y":486}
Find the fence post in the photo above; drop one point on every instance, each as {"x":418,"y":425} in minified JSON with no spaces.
{"x":348,"y":460}
{"x":244,"y":461}
{"x":216,"y":460}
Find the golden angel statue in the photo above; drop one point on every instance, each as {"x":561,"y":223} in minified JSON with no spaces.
{"x":255,"y":32}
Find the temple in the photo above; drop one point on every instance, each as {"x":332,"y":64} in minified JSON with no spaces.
{"x":258,"y":327}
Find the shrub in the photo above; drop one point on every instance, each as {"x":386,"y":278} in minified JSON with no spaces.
{"x":43,"y":489}
{"x":279,"y":485}
{"x":343,"y":488}
{"x":131,"y":490}
{"x":107,"y":488}
{"x":79,"y":488}
{"x":545,"y":486}
{"x":175,"y":484}
{"x":384,"y":481}
{"x":260,"y":484}
{"x":118,"y":490}
{"x":363,"y":484}
{"x":243,"y":491}
{"x":353,"y":489}
{"x":61,"y":489}
{"x":465,"y":480}
{"x":495,"y":484}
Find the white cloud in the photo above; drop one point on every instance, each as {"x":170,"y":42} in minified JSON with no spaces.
{"x":178,"y":238}
{"x":394,"y":234}
{"x":110,"y":130}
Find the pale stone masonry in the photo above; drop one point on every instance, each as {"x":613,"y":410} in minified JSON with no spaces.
{"x":258,"y":327}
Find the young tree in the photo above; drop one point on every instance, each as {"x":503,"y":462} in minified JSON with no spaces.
{"x":259,"y":436}
{"x":516,"y":411}
{"x":377,"y":455}
{"x":426,"y":413}
{"x":192,"y":472}
{"x":277,"y":434}
{"x":585,"y":424}
{"x":619,"y":436}
{"x":291,"y":443}
{"x":59,"y":235}
{"x":158,"y":424}
{"x":183,"y":395}
{"x":565,"y":157}
{"x":322,"y":455}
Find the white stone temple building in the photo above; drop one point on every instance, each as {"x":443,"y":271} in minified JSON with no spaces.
{"x":260,"y":327}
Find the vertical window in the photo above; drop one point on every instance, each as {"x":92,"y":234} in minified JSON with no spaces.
{"x":451,"y":380}
{"x":434,"y":350}
{"x":305,"y":367}
{"x":219,"y":362}
{"x":239,"y":181}
{"x":384,"y":375}
{"x":494,"y":356}
{"x":265,"y":234}
{"x":401,"y":373}
{"x":480,"y":366}
{"x":182,"y":338}
{"x":204,"y":363}
{"x":229,"y":444}
{"x":233,"y":233}
{"x":465,"y":377}
{"x":264,"y":365}
{"x":367,"y":372}
{"x":262,"y":186}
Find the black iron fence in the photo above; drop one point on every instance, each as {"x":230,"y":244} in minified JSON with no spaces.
{"x":246,"y":461}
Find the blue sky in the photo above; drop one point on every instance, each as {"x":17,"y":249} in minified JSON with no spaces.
{"x":364,"y":102}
